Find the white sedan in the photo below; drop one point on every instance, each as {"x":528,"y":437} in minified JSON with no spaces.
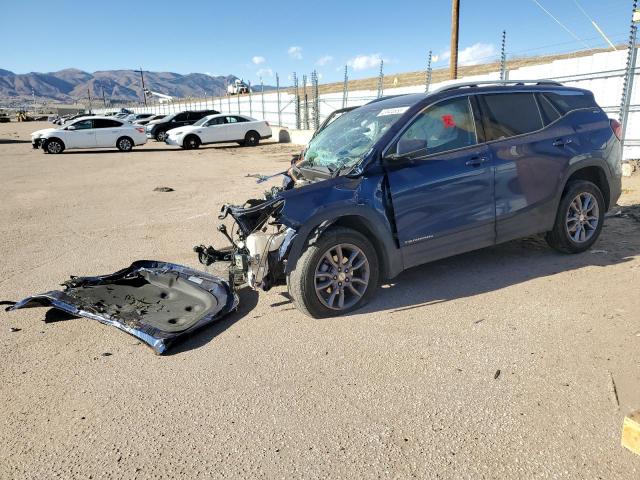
{"x":90,"y":132}
{"x":220,"y":128}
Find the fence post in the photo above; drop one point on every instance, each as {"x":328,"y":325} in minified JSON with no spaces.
{"x":305,"y":107}
{"x":503,"y":57}
{"x":316,"y":100}
{"x":297,"y":94}
{"x":250,"y":100}
{"x":238,"y":95}
{"x":427,"y":82}
{"x":262,"y":96}
{"x":627,"y":86}
{"x":278,"y":99}
{"x":345,"y":87}
{"x":381,"y":80}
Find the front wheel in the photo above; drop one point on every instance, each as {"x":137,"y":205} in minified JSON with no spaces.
{"x":191,"y":142}
{"x":336,"y":274}
{"x":579,"y":219}
{"x":53,"y":146}
{"x":161,"y":136}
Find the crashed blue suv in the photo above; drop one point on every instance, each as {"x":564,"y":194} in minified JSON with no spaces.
{"x":407,"y":180}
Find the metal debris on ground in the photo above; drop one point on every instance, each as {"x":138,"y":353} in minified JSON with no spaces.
{"x":14,"y":329}
{"x":496,"y":375}
{"x":163,"y":189}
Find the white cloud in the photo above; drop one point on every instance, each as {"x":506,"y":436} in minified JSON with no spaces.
{"x":473,"y":55}
{"x":265,"y":72}
{"x":365,"y":62}
{"x":435,"y":58}
{"x":322,"y":61}
{"x":257,"y":60}
{"x":295,"y":52}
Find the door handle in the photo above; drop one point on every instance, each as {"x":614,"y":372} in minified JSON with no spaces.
{"x":475,"y":161}
{"x":561,"y":142}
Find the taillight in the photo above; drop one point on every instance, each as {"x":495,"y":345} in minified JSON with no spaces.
{"x":140,"y":129}
{"x":616,"y":126}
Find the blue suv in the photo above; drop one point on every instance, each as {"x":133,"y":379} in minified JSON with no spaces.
{"x":406,"y":180}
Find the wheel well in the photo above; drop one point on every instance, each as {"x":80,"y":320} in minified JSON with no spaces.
{"x":251,"y":131}
{"x":194,"y":136}
{"x":124,"y":136}
{"x":359,"y":224}
{"x":594,"y":175}
{"x":54,"y":138}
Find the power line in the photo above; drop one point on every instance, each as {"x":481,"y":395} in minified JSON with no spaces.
{"x":561,"y":24}
{"x":595,"y":25}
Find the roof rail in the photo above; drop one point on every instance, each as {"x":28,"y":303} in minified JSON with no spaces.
{"x":496,"y":82}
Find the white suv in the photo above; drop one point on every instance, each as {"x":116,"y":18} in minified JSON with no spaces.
{"x":90,"y":132}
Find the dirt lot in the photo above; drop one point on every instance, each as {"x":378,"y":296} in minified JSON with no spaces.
{"x":495,"y":364}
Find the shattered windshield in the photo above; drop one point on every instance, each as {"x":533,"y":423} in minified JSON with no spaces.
{"x":345,"y":141}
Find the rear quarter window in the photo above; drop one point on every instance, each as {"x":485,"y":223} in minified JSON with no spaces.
{"x":509,"y":114}
{"x":570,"y":100}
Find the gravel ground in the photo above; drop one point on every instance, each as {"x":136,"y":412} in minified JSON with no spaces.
{"x":510,"y":362}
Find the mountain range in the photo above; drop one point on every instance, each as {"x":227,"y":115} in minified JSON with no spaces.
{"x":120,"y":85}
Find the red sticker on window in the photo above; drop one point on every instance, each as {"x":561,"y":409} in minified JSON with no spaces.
{"x":448,"y":121}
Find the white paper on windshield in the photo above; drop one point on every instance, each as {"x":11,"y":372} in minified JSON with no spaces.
{"x":392,"y":111}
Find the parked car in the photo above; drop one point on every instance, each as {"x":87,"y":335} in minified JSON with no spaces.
{"x":132,"y":117}
{"x":407,"y":180}
{"x":145,"y":121}
{"x":89,"y":132}
{"x":158,"y":129}
{"x":220,"y":128}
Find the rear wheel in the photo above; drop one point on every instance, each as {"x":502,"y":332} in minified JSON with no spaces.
{"x":161,"y":136}
{"x":53,"y":146}
{"x":252,"y":138}
{"x":336,"y":274}
{"x":191,"y":142}
{"x":124,"y":144}
{"x":579,"y":219}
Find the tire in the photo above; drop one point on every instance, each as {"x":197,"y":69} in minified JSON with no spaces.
{"x":161,"y":136}
{"x":124,"y":144}
{"x":313,"y":268}
{"x":574,"y":230}
{"x":252,"y":138}
{"x":54,"y":146}
{"x":191,"y":142}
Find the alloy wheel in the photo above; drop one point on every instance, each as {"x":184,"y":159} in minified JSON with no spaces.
{"x":582,"y":217}
{"x":341,"y":276}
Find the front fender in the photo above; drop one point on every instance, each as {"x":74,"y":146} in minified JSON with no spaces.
{"x":359,"y":203}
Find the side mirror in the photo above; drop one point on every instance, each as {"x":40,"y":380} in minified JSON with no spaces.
{"x":71,"y":127}
{"x":411,"y":147}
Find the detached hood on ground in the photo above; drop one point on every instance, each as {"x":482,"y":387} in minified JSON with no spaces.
{"x":157,"y":302}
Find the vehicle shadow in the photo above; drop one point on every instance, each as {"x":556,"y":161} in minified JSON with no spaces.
{"x":248,"y":301}
{"x":6,"y":141}
{"x":501,"y":266}
{"x":135,"y":150}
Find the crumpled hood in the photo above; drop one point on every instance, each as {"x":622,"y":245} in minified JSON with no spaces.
{"x":40,"y":133}
{"x":157,"y":302}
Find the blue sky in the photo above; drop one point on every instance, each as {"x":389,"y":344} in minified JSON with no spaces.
{"x":262,"y":38}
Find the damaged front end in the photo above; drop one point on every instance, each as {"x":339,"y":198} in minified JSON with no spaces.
{"x":157,"y":302}
{"x":259,"y":244}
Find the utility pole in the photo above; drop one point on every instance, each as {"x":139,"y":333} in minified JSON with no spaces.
{"x":104,"y":99}
{"x":89,"y":94}
{"x":345,"y":87}
{"x":455,"y":21}
{"x":144,"y":91}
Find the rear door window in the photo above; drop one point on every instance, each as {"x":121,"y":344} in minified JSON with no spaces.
{"x":232,"y":119}
{"x":549,"y":113}
{"x":509,"y":114}
{"x":106,"y":123}
{"x":181,"y":117}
